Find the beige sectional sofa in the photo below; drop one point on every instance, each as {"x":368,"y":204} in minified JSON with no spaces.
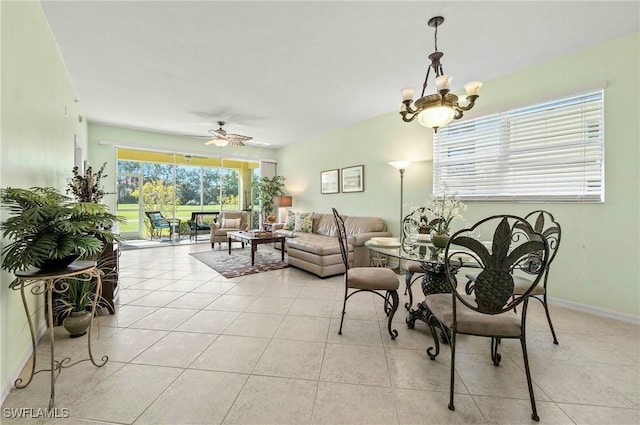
{"x":318,"y":252}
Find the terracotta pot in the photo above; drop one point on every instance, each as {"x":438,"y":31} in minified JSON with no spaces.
{"x":77,"y":323}
{"x":440,"y":241}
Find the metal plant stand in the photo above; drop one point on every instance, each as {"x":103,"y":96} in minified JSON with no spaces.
{"x":44,"y":282}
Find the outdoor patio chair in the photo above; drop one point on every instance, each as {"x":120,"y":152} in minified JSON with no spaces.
{"x":158,"y":223}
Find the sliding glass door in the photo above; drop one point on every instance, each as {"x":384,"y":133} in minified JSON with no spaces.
{"x":178,"y":185}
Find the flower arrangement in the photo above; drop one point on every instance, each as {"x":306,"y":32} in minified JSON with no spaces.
{"x":87,"y":188}
{"x":446,"y":209}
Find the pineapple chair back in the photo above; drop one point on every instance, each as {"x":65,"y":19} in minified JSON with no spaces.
{"x":377,"y":280}
{"x":543,"y":223}
{"x":488,"y":311}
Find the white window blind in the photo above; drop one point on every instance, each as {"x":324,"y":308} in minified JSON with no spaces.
{"x":552,"y":151}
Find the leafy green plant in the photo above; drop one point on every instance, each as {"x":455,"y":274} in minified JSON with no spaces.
{"x":46,"y":225}
{"x":267,"y":188}
{"x":77,"y":298}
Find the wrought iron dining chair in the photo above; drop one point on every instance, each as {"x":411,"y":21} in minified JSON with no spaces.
{"x":366,"y":279}
{"x":487,"y":311}
{"x":418,"y":219}
{"x":544,"y":223}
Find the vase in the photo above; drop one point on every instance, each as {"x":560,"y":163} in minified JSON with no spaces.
{"x":440,"y":241}
{"x":77,"y":323}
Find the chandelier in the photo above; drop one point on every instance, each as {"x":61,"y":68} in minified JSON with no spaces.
{"x":438,"y":109}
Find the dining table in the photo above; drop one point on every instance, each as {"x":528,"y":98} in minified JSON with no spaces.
{"x":434,"y":279}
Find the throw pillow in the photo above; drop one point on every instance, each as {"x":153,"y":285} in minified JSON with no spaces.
{"x":230,"y":223}
{"x":290,"y":222}
{"x":304,"y":222}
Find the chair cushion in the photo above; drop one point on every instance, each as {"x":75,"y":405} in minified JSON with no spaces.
{"x":521,"y":284}
{"x":470,"y":321}
{"x":372,"y":278}
{"x":414,"y":266}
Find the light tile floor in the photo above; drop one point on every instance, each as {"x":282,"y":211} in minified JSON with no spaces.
{"x":188,"y":346}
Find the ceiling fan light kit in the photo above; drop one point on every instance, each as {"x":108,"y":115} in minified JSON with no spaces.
{"x":221,"y":138}
{"x":440,"y":108}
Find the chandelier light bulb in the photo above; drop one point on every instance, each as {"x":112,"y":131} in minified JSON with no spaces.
{"x":443,"y":82}
{"x":407,"y":93}
{"x":473,"y":88}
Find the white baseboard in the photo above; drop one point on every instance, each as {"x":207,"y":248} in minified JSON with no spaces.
{"x":597,"y":311}
{"x":28,"y":351}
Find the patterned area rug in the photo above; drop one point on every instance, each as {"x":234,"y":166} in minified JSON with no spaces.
{"x":239,"y":262}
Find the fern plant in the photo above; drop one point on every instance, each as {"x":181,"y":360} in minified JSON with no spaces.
{"x":46,"y":225}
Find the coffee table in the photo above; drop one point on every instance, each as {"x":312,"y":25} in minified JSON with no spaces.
{"x":255,"y":239}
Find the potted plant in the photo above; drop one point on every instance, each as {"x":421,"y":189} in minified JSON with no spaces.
{"x":74,"y":305}
{"x":268,"y":188}
{"x":445,"y":209}
{"x":48,"y":230}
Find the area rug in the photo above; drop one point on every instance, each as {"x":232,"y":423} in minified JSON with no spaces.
{"x":239,"y":262}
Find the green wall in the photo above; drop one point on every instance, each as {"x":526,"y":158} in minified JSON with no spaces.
{"x":39,"y":122}
{"x":597,"y":265}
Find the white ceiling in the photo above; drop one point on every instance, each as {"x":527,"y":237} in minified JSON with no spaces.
{"x":288,"y":71}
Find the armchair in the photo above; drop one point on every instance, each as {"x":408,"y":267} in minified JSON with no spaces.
{"x":228,"y":221}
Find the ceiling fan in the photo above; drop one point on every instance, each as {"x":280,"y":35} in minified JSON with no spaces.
{"x":222,"y":138}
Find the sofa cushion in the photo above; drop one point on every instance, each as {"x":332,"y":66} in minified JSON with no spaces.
{"x":290,"y":222}
{"x":316,"y":244}
{"x":231,"y":223}
{"x":304,"y":222}
{"x":356,"y":225}
{"x":325,"y":224}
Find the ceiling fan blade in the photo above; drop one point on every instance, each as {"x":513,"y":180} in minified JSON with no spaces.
{"x":210,"y":142}
{"x":234,"y":142}
{"x":238,"y":137}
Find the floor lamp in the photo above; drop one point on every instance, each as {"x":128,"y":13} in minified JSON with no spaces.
{"x":401,"y":166}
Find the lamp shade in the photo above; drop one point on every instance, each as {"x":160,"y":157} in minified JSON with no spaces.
{"x":436,"y":116}
{"x":282,"y":201}
{"x":400,"y":165}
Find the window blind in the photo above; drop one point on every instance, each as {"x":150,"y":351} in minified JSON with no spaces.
{"x":552,"y":151}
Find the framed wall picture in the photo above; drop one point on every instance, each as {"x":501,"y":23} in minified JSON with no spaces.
{"x":329,"y":181}
{"x":353,"y":179}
